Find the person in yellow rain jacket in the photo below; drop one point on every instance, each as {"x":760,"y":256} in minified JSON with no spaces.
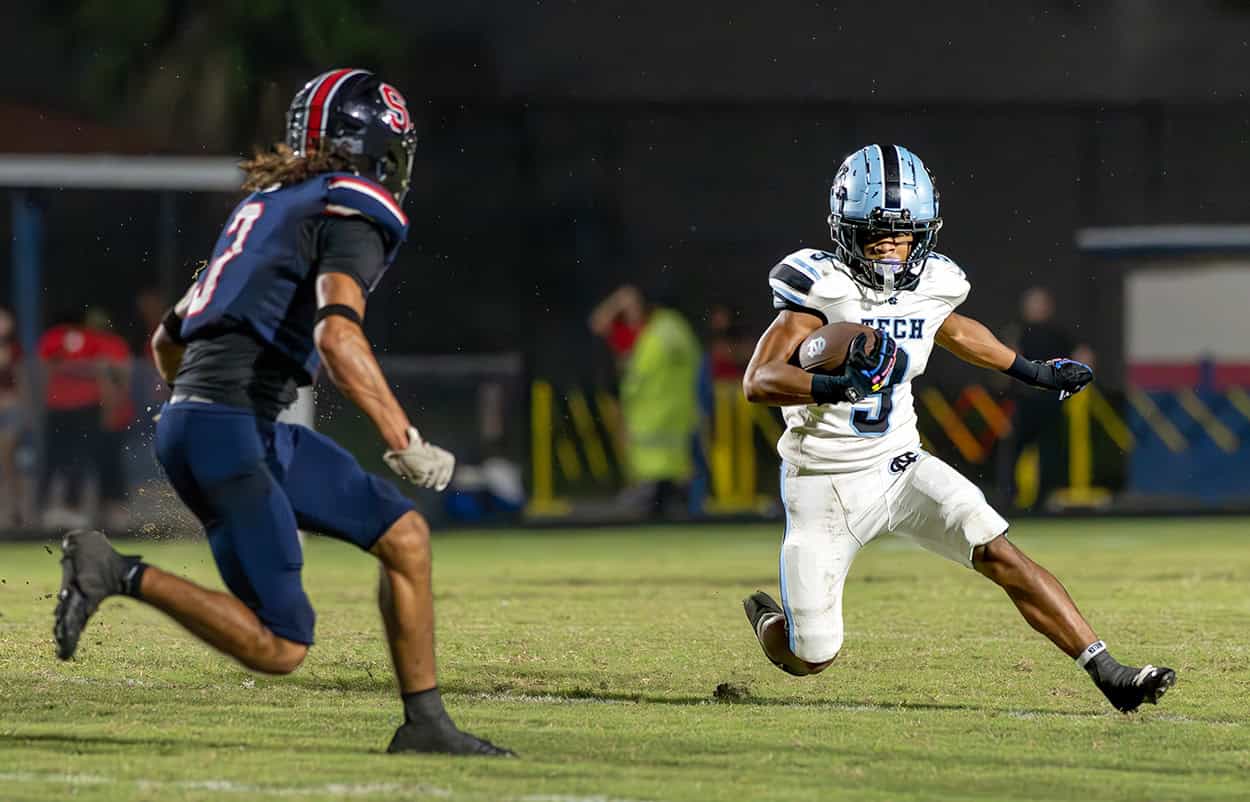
{"x":659,"y":358}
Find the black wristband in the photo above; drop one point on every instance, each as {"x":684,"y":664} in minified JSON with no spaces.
{"x":828,"y":389}
{"x":173,"y":327}
{"x":343,"y":310}
{"x":1036,"y":374}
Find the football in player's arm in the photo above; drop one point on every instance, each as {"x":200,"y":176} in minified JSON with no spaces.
{"x":852,"y":464}
{"x":772,"y":377}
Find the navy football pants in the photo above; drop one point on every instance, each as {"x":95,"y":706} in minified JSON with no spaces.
{"x":253,"y":483}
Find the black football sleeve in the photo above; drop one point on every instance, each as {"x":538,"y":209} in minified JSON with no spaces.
{"x":352,"y":246}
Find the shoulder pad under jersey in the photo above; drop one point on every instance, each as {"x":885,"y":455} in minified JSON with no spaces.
{"x":809,"y":280}
{"x":349,"y":195}
{"x":944,"y":280}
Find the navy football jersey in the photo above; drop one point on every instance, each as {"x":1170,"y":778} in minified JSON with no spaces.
{"x":259,"y":276}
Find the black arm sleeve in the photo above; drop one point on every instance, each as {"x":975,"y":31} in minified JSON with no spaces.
{"x":351,"y":246}
{"x":1037,"y":374}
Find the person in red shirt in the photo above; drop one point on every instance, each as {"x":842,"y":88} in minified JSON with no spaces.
{"x":86,"y":370}
{"x":117,"y":411}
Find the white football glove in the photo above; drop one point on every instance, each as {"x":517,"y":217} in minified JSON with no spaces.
{"x":422,"y":463}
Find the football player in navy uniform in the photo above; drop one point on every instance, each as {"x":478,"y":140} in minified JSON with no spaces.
{"x":284,"y":294}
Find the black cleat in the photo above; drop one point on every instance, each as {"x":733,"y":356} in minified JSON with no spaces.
{"x":442,"y":738}
{"x":91,"y":571}
{"x":761,"y":609}
{"x":1128,"y":689}
{"x":760,"y":605}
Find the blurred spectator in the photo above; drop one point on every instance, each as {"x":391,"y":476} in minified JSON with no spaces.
{"x":117,"y":412}
{"x":1038,"y":416}
{"x":724,"y":362}
{"x":86,"y":394}
{"x":147,"y":389}
{"x":659,"y":357}
{"x":12,"y":421}
{"x":728,"y":345}
{"x":618,"y":319}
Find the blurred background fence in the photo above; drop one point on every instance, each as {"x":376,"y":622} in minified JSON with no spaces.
{"x":1091,"y":163}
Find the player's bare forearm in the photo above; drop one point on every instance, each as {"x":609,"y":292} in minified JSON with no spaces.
{"x":972,"y":342}
{"x":777,"y":383}
{"x":352,"y":367}
{"x":770,"y":377}
{"x":350,"y":362}
{"x":166,"y":354}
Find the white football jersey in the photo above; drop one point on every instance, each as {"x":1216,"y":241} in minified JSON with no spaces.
{"x":838,"y":438}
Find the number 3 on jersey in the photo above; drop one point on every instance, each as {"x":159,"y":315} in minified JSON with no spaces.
{"x":202,"y":291}
{"x":871,"y":415}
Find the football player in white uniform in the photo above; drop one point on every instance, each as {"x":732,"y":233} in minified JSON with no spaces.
{"x":852,"y":465}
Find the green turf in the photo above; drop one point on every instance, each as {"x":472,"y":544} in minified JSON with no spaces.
{"x":596,"y":654}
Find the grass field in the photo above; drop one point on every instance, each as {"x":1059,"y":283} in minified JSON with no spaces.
{"x":596,"y":656}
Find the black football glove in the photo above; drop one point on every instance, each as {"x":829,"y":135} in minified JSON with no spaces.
{"x":869,"y":372}
{"x":1067,"y":376}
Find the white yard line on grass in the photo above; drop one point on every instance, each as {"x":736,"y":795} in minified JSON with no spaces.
{"x":550,"y":699}
{"x":57,"y":779}
{"x":346,"y":790}
{"x":566,"y":798}
{"x":231,"y":787}
{"x":832,"y":705}
{"x":329,"y":789}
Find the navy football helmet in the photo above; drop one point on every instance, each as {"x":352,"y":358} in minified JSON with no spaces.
{"x":880,"y":189}
{"x":355,"y":111}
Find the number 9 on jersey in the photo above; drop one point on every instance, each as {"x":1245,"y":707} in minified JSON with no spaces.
{"x":871,"y":414}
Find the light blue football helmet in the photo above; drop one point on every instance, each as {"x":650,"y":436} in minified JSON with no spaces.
{"x":883,"y":188}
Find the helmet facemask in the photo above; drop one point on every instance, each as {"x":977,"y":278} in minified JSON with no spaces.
{"x":394,"y":170}
{"x":851,"y":236}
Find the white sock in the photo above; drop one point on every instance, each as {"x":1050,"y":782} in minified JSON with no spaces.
{"x":1090,"y":652}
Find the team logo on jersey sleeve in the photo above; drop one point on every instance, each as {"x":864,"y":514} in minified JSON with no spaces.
{"x":816,"y":347}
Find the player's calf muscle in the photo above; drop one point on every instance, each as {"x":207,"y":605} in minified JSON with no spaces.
{"x":221,"y":621}
{"x":279,"y":655}
{"x":1037,"y":594}
{"x":1002,"y":563}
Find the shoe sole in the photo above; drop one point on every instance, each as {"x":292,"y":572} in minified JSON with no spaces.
{"x":482,"y":748}
{"x":494,"y":751}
